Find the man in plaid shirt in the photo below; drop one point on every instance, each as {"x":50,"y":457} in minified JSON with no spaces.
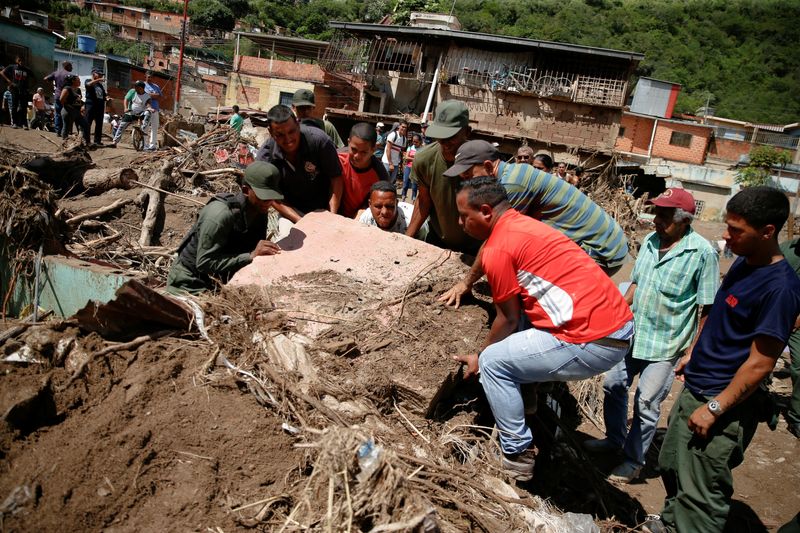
{"x":676,"y":273}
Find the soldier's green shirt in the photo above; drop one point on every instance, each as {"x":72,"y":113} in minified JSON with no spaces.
{"x":224,"y":243}
{"x":427,"y":170}
{"x":668,"y":291}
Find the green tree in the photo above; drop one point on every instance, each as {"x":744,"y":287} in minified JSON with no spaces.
{"x":211,"y":14}
{"x":762,"y":160}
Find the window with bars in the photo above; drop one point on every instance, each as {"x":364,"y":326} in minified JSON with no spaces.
{"x":681,"y":139}
{"x":286,"y":99}
{"x":698,"y":208}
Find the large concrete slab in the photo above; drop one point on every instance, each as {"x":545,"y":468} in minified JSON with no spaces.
{"x":324,"y":241}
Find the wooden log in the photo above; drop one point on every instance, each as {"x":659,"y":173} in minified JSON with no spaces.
{"x":155,"y":214}
{"x":98,"y":212}
{"x":104,"y":179}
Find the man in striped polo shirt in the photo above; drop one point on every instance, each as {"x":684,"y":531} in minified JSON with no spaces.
{"x":676,"y":272}
{"x":546,"y":198}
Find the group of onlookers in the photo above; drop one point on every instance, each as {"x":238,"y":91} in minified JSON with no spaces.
{"x":76,"y":107}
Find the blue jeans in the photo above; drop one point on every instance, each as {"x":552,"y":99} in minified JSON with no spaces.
{"x":407,"y":183}
{"x":57,"y":118}
{"x":655,"y":381}
{"x":392,"y":175}
{"x":534,"y":356}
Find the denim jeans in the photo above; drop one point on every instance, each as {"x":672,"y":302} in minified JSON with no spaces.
{"x":655,"y":381}
{"x":58,"y":122}
{"x":392,"y":175}
{"x":408,"y":184}
{"x":534,"y":356}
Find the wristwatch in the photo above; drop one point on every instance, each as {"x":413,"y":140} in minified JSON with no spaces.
{"x":714,"y":407}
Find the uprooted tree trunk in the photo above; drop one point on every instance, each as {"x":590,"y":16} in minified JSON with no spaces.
{"x":104,"y":179}
{"x":152,"y":203}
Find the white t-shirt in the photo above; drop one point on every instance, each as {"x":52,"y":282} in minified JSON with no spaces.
{"x":404,"y":212}
{"x":398,"y":145}
{"x":139,"y":103}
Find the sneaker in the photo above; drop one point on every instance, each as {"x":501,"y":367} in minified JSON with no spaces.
{"x":520,"y":465}
{"x":625,"y":473}
{"x":600,"y":446}
{"x":653,"y":524}
{"x":794,"y":429}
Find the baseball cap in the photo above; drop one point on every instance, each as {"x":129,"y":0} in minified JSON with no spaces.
{"x":303,"y":97}
{"x":471,"y":153}
{"x":675,"y":197}
{"x":97,"y":70}
{"x":451,"y":117}
{"x":263,"y":178}
{"x":380,"y":125}
{"x":139,"y":83}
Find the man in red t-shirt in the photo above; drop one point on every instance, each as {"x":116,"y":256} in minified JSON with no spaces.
{"x":360,"y":168}
{"x":559,"y":316}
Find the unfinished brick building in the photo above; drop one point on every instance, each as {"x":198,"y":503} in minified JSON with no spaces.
{"x":563,"y":98}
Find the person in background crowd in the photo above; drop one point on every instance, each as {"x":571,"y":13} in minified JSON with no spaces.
{"x":575,"y":178}
{"x":96,"y":99}
{"x":360,"y":169}
{"x":425,"y":139}
{"x":561,"y":171}
{"x":303,"y":105}
{"x":136,"y":105}
{"x":71,"y":104}
{"x":151,"y":88}
{"x":553,"y":323}
{"x":8,"y":104}
{"x":380,"y":143}
{"x":19,"y":75}
{"x":674,"y":281}
{"x":524,"y":155}
{"x":408,"y":159}
{"x":393,"y":151}
{"x":236,"y":121}
{"x":57,"y":77}
{"x":543,"y":162}
{"x":41,"y":109}
{"x":722,"y":402}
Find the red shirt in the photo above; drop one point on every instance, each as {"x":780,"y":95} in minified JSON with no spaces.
{"x":563,"y":291}
{"x":356,"y":185}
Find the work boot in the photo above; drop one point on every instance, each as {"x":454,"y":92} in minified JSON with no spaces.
{"x":520,"y":465}
{"x":600,"y":446}
{"x":625,"y":473}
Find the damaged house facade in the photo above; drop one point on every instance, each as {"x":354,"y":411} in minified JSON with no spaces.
{"x":562,"y":98}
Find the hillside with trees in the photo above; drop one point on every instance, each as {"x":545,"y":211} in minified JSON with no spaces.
{"x":738,"y":56}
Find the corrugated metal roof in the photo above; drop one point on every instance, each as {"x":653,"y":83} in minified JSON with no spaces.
{"x":373,"y":29}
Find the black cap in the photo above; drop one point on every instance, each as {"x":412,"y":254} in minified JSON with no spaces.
{"x":139,"y":83}
{"x":263,"y":178}
{"x":303,"y":97}
{"x":471,"y":153}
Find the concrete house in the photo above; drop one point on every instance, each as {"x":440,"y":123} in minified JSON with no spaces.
{"x":33,"y":43}
{"x":560,"y":97}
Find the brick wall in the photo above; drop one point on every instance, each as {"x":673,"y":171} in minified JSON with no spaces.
{"x":636,"y":137}
{"x":695,"y":153}
{"x":287,"y":70}
{"x":728,"y":149}
{"x":540,"y":119}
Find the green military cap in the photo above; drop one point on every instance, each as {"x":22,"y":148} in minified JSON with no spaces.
{"x":264,"y":179}
{"x":451,"y":116}
{"x":303,"y":97}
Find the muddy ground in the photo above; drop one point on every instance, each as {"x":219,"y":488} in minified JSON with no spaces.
{"x":162,"y":438}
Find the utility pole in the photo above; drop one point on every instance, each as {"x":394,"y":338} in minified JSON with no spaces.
{"x":184,"y":29}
